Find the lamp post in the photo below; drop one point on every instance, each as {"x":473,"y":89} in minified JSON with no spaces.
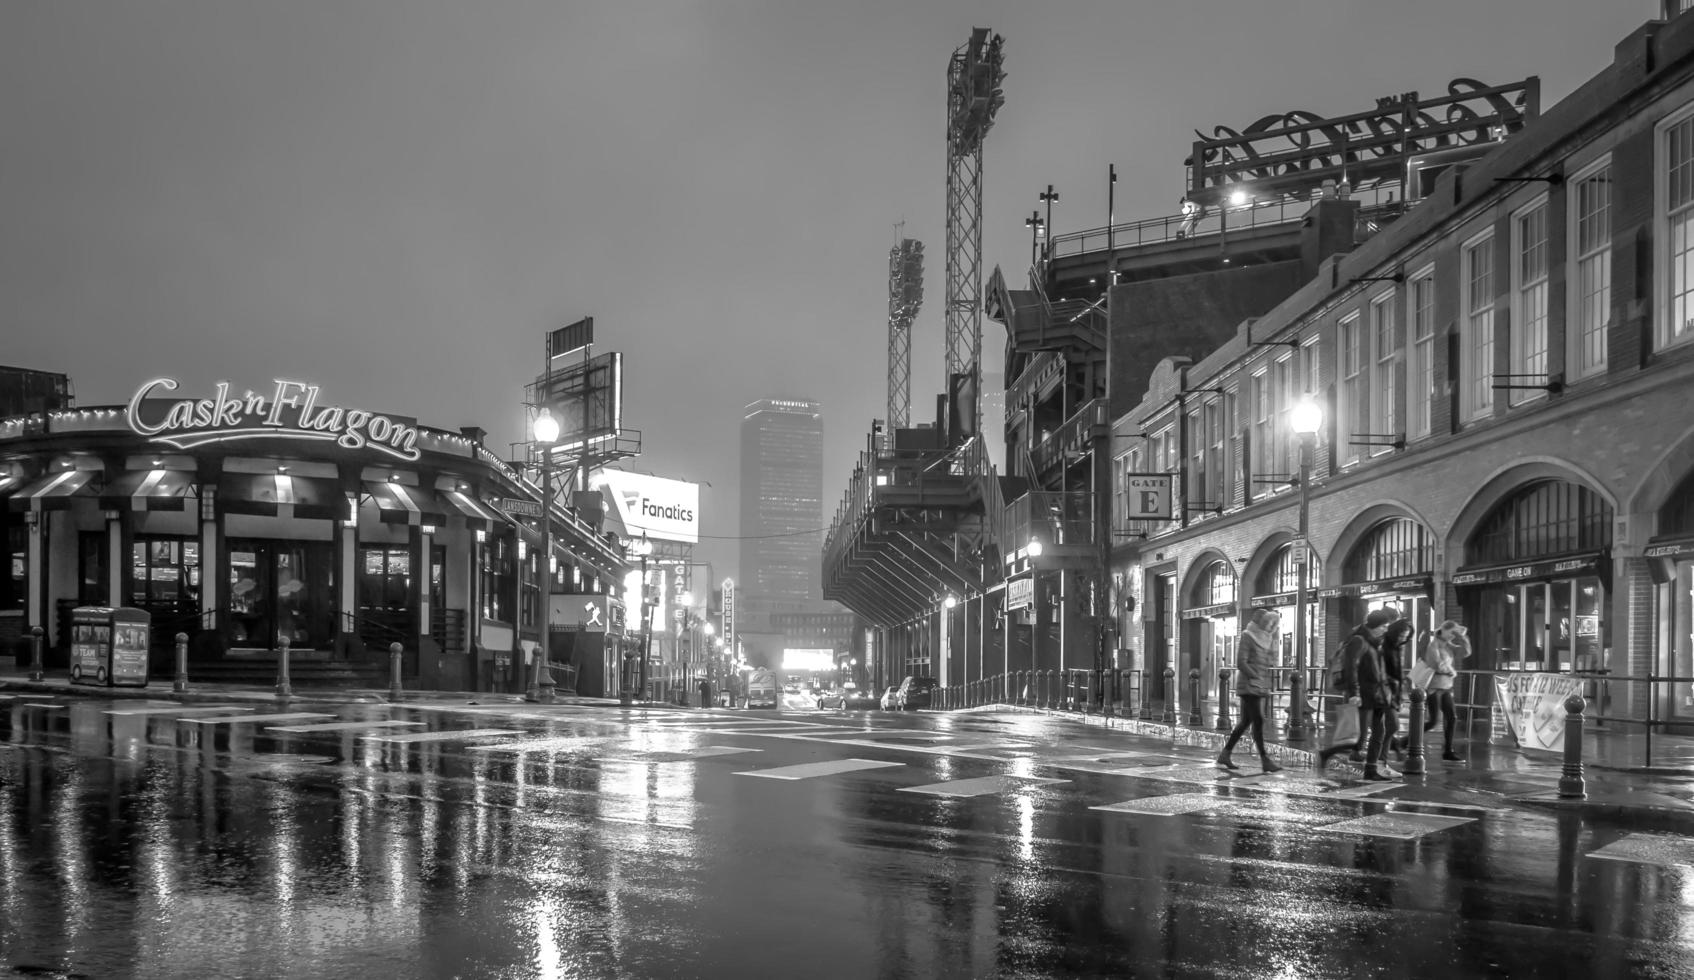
{"x":546,"y":432}
{"x":642,"y":548}
{"x":1305,"y":419}
{"x":1035,"y":225}
{"x":708,"y":630}
{"x":1047,"y":197}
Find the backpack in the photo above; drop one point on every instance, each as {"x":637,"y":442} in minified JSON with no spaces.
{"x":1336,"y":667}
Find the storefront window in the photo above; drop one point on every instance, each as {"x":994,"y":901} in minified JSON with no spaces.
{"x":14,"y":589}
{"x":385,"y":578}
{"x":1217,"y":585}
{"x":1393,"y":548}
{"x":497,"y":570}
{"x":164,"y":572}
{"x":91,"y":569}
{"x":529,"y":615}
{"x":1547,"y":518}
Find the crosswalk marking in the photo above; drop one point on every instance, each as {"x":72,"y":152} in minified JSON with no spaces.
{"x":981,"y":786}
{"x":182,"y":710}
{"x":453,"y":736}
{"x":811,"y":770}
{"x":680,"y":755}
{"x":1656,"y":849}
{"x":522,"y":745}
{"x":38,"y":704}
{"x":246,"y":719}
{"x":342,"y":726}
{"x":1170,"y":806}
{"x":1399,"y":826}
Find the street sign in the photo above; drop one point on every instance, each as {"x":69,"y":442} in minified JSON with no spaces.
{"x":1020,"y":594}
{"x":1148,"y":496}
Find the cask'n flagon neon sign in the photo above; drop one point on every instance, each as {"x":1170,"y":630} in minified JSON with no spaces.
{"x":289,"y":411}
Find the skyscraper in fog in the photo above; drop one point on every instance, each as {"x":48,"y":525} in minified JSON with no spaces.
{"x":781,"y":567}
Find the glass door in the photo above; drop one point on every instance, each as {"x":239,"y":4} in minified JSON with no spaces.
{"x":1678,"y":660}
{"x":281,"y":588}
{"x":252,"y":595}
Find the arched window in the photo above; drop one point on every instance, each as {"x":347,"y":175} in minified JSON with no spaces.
{"x":1216,"y":585}
{"x":1396,"y":547}
{"x":1280,"y":574}
{"x":1548,"y":517}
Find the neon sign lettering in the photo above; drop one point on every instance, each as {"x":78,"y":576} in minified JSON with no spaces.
{"x":290,"y":411}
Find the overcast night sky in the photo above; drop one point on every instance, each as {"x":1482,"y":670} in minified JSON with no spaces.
{"x":398,"y":199}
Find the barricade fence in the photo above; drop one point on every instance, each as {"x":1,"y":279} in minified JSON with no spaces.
{"x":1116,"y":692}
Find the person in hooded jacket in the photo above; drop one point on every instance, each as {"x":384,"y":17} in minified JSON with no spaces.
{"x":1254,"y":657}
{"x":1364,"y":678}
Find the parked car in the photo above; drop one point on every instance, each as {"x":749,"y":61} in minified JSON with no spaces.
{"x":915,"y":693}
{"x":890,"y":699}
{"x":860,"y":699}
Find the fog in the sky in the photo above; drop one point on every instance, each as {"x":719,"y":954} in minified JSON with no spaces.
{"x":396,"y":199}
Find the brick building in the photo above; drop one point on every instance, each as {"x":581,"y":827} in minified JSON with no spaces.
{"x":1507,"y":434}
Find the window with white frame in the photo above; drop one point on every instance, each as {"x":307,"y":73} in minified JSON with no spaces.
{"x":1354,"y":354}
{"x":1590,"y":302}
{"x":1476,"y":359}
{"x":1261,"y":416}
{"x":1528,"y":355}
{"x":1385,"y":357}
{"x":1225,"y":439}
{"x":1286,"y":389}
{"x":1196,"y":490}
{"x":1677,"y":207}
{"x":1420,"y":359}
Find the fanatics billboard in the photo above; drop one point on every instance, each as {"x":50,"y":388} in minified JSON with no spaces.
{"x":667,"y":510}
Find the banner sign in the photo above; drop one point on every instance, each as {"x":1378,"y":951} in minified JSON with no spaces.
{"x":1531,"y":707}
{"x":290,"y":410}
{"x":729,"y":613}
{"x":1587,"y":564}
{"x":1148,"y":496}
{"x":1675,"y":550}
{"x":1020,"y":594}
{"x":652,"y":506}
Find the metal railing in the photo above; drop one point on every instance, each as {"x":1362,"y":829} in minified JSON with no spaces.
{"x":1113,"y":692}
{"x":1211,"y":221}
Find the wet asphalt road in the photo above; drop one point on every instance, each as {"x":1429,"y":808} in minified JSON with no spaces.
{"x":596,"y":842}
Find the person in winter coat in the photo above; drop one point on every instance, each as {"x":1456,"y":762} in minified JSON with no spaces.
{"x":1364,"y":683}
{"x":1445,"y":648}
{"x":1397,"y":648}
{"x":1254,"y":658}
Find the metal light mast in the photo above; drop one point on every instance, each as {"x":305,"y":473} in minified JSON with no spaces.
{"x":973,"y":96}
{"x":905,"y":295}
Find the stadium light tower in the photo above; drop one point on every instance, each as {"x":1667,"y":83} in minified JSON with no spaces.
{"x":973,"y":96}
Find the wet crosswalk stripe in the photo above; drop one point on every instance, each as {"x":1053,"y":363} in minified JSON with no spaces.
{"x":558,"y":744}
{"x":342,"y":726}
{"x":39,"y":704}
{"x":211,"y":709}
{"x":1656,"y":849}
{"x":248,"y":719}
{"x":981,"y":786}
{"x":1400,"y":826}
{"x":453,"y":736}
{"x":812,"y":770}
{"x":1170,"y":806}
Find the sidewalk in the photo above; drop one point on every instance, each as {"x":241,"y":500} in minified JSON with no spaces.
{"x":18,"y":682}
{"x":1616,"y":789}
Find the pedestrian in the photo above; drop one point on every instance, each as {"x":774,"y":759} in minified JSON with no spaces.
{"x":1445,"y":648}
{"x":1363,"y":686}
{"x":705,"y":694}
{"x":1255,"y":655}
{"x":1397,"y":648}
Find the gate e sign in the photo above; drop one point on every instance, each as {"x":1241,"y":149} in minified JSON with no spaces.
{"x":1148,"y":496}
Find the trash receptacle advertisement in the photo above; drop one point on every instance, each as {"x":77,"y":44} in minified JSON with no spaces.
{"x":109,"y":647}
{"x":89,"y":641}
{"x":1532,"y":708}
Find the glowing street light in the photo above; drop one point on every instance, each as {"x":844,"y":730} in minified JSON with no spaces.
{"x":545,"y":429}
{"x":1305,"y":418}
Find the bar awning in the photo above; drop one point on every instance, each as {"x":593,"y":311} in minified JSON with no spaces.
{"x":55,"y":491}
{"x":147,"y":490}
{"x":9,"y":483}
{"x":478,"y":516}
{"x":281,"y":495}
{"x":401,"y":504}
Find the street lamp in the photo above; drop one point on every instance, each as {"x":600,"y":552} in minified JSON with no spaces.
{"x":545,"y":428}
{"x":1047,"y":197}
{"x":1305,"y":419}
{"x":641,"y":548}
{"x":1035,"y":226}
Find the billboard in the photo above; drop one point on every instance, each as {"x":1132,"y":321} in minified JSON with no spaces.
{"x":668,"y":510}
{"x":595,"y":384}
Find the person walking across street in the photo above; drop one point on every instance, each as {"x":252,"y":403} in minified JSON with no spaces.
{"x":1446,"y":646}
{"x":1254,"y":657}
{"x":1397,"y":648}
{"x":1364,"y":643}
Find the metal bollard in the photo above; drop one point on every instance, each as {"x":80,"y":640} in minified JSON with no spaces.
{"x":36,"y":637}
{"x":394,"y":691}
{"x":1571,"y":786}
{"x":1414,"y":738}
{"x":1194,"y":702}
{"x":1170,"y":697}
{"x":283,"y":688}
{"x":1223,"y":701}
{"x":181,"y":685}
{"x":1145,"y":713}
{"x":1052,"y":689}
{"x":1114,"y":679}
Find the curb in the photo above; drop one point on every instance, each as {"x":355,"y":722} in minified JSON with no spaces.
{"x":1667,"y":817}
{"x":308,"y":696}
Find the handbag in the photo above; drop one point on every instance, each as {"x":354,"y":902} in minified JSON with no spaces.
{"x":1421,"y":674}
{"x":1346,"y":730}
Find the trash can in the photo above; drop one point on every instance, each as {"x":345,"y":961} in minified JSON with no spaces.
{"x":109,"y":646}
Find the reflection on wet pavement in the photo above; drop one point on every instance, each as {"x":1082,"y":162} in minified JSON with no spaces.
{"x":150,"y":840}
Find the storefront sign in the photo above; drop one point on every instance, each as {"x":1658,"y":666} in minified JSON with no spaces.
{"x":1147,"y":496}
{"x":652,"y":506}
{"x":1532,"y":708}
{"x":729,"y":611}
{"x":1273,"y":601}
{"x":1421,"y":584}
{"x":1020,"y":594}
{"x":1534,"y":570}
{"x":517,"y":507}
{"x":1207,"y":612}
{"x":1676,"y":550}
{"x":288,"y":411}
